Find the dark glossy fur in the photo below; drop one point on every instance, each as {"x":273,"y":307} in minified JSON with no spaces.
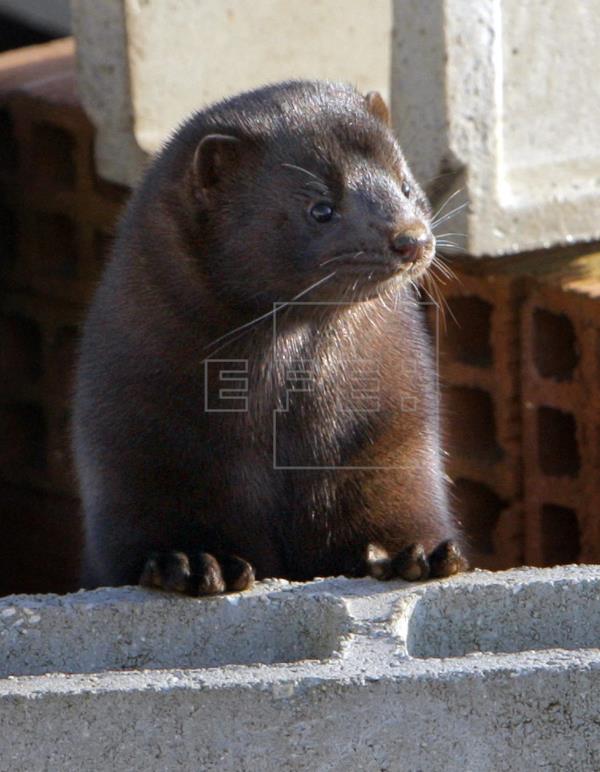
{"x":209,"y":242}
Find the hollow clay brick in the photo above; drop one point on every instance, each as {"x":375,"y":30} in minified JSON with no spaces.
{"x":561,"y":417}
{"x":59,"y":206}
{"x":479,"y":376}
{"x":56,"y":222}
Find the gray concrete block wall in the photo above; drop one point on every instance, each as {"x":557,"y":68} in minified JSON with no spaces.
{"x":480,"y":672}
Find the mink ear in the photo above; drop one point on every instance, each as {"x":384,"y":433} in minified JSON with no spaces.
{"x":377,"y":107}
{"x":215,"y":156}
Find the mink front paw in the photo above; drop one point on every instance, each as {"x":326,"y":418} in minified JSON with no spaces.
{"x":197,"y":574}
{"x":414,"y":565}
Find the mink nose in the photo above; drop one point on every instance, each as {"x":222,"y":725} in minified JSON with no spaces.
{"x":409,"y":247}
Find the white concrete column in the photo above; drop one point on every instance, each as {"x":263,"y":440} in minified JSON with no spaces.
{"x":144,"y":65}
{"x":506,"y":95}
{"x":502,"y":94}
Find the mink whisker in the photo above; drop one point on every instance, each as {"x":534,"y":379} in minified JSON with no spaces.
{"x":436,"y":296}
{"x":269,"y":313}
{"x":444,"y":245}
{"x":439,"y":277}
{"x":442,"y":267}
{"x":453,"y":275}
{"x":435,"y":223}
{"x":306,"y":171}
{"x":384,"y":304}
{"x":303,"y":194}
{"x":318,"y":186}
{"x":339,"y":257}
{"x":446,"y":202}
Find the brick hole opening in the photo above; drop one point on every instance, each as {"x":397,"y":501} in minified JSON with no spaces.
{"x":53,"y":157}
{"x":558,"y":451}
{"x":8,"y":144}
{"x":478,"y":509}
{"x":20,"y":350}
{"x":472,"y":425}
{"x":560,"y":535}
{"x":554,"y":345}
{"x":57,"y":245}
{"x":468,"y":331}
{"x":34,"y":525}
{"x":23,"y":437}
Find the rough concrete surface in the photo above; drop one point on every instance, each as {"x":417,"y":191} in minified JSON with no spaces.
{"x":500,"y":94}
{"x":497,"y":92}
{"x":481,"y":672}
{"x":146,"y":65}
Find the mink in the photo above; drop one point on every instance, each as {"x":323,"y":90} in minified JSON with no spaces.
{"x":255,"y":392}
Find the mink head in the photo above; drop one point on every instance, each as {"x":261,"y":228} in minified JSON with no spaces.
{"x":302,"y":184}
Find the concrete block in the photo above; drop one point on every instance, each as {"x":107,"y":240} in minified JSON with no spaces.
{"x":143,"y":67}
{"x":500,"y":96}
{"x":483,"y":671}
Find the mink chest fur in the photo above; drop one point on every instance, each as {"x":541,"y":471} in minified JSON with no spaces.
{"x":255,"y":392}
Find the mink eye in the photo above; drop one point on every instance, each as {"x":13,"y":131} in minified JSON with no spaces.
{"x":405,"y":189}
{"x":322,"y":212}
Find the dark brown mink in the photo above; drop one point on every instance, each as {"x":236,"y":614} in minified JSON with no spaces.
{"x":255,"y":391}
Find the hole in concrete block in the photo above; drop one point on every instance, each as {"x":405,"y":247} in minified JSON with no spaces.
{"x":471,"y":424}
{"x":468,"y":334}
{"x":23,"y":436}
{"x":53,"y":156}
{"x":478,"y":509}
{"x":545,"y":609}
{"x":8,"y":144}
{"x":20,"y":350}
{"x":57,"y":245}
{"x":559,"y":535}
{"x":126,"y":628}
{"x":554,"y":345}
{"x":558,"y":451}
